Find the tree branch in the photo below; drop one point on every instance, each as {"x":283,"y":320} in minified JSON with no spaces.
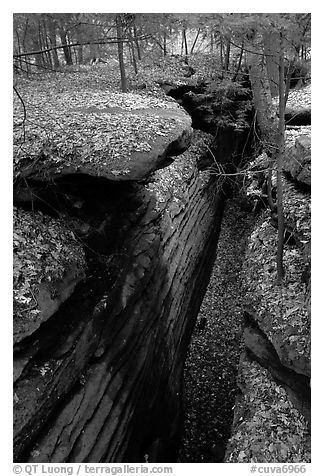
{"x":25,"y":112}
{"x":96,"y":42}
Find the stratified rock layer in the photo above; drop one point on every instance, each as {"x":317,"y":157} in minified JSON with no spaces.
{"x":100,"y":381}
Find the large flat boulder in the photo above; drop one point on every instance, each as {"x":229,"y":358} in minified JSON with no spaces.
{"x":298,"y":107}
{"x":299,"y":117}
{"x":297,"y":160}
{"x":114,"y":136}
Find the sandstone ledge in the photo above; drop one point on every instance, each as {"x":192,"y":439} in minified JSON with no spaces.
{"x":100,"y":138}
{"x":106,"y":386}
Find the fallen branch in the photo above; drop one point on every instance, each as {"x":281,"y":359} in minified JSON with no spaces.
{"x":71,"y":45}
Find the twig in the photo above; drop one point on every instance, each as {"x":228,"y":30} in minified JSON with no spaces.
{"x":25,"y":112}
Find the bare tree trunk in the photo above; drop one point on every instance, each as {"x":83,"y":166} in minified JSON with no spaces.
{"x":66,"y":48}
{"x":37,"y":47}
{"x":138,"y":48}
{"x":281,"y":226}
{"x":238,"y":67}
{"x":94,"y":51}
{"x":195,"y":41}
{"x":47,"y":45}
{"x":42,"y":45}
{"x":288,"y":78}
{"x":165,"y":51}
{"x":227,"y":55}
{"x":25,"y":34}
{"x":171,"y":41}
{"x":185,"y":41}
{"x":221,"y":54}
{"x":265,"y":110}
{"x":19,"y":49}
{"x":271,"y":50}
{"x":269,"y":125}
{"x":28,"y":67}
{"x":80,"y":54}
{"x":121,"y":52}
{"x":132,"y":55}
{"x":269,"y":188}
{"x":52,"y":36}
{"x":75,"y":54}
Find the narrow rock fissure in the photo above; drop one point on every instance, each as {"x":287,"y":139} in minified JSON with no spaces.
{"x":211,"y":366}
{"x":210,"y":377}
{"x":213,"y":355}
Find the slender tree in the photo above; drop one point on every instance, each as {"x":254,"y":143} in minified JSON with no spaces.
{"x":269,"y":127}
{"x":185,"y":43}
{"x":120,"y":39}
{"x":51,"y":26}
{"x":281,"y":149}
{"x":239,"y":63}
{"x":137,"y":43}
{"x":132,"y":49}
{"x":271,"y":50}
{"x":195,"y":41}
{"x":227,"y":54}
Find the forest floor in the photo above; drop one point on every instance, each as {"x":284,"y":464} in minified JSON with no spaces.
{"x":213,"y":357}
